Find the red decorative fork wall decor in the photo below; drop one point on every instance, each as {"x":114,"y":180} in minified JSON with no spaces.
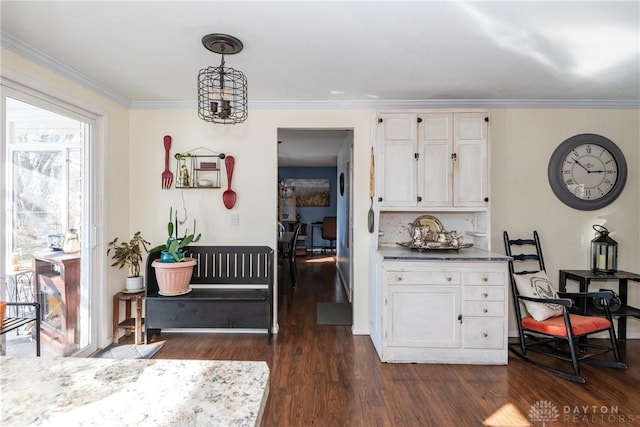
{"x":167,"y":176}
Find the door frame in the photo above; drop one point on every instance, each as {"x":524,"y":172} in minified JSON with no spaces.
{"x":94,"y":222}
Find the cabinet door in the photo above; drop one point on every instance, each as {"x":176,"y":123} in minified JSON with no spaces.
{"x":435,"y":172}
{"x":423,"y":316}
{"x":397,"y":166}
{"x":470,"y":167}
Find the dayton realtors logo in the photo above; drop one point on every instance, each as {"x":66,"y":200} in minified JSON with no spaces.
{"x":546,"y":411}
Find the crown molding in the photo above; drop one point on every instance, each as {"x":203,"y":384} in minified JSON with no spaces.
{"x":9,"y":42}
{"x":29,"y":52}
{"x":415,"y":104}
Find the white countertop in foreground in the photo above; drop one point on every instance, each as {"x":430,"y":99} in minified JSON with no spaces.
{"x":397,"y":252}
{"x":133,"y":392}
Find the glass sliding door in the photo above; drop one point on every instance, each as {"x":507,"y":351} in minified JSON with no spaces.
{"x":46,"y":187}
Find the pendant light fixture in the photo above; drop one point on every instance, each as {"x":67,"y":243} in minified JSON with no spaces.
{"x":222,"y":91}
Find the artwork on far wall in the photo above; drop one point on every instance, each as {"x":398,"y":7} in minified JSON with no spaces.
{"x":311,"y":191}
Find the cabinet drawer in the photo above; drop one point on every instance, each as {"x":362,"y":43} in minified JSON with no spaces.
{"x":483,"y":308}
{"x":423,"y":277}
{"x":483,"y":293}
{"x":490,"y":278}
{"x":483,"y":333}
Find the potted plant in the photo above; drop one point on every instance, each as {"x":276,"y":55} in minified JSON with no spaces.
{"x":130,"y":254}
{"x":173,"y":269}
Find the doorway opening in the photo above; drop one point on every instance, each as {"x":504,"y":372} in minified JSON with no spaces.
{"x":319,"y":160}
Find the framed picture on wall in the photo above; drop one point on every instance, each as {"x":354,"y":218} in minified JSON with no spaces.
{"x":287,"y":209}
{"x":311,"y":191}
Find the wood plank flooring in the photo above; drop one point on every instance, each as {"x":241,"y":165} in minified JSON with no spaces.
{"x":325,"y":376}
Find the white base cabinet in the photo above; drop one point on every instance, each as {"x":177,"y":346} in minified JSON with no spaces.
{"x":443,"y":312}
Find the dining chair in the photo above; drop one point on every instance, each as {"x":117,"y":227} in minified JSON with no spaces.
{"x":329,"y":231}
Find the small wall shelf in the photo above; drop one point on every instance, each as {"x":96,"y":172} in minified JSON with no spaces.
{"x":195,"y":170}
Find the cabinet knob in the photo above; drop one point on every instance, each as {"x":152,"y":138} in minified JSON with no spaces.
{"x":419,"y":198}
{"x":486,"y":200}
{"x":484,"y":294}
{"x":485,"y":310}
{"x":485,"y":278}
{"x":399,"y":278}
{"x":379,"y":199}
{"x":485,"y":335}
{"x":448,"y":278}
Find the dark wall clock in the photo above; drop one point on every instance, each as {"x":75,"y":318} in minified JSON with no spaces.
{"x":587,"y":172}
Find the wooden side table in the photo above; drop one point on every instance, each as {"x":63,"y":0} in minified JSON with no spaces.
{"x":129,"y":322}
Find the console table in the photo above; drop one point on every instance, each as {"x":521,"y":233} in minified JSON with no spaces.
{"x":57,"y":284}
{"x":584,"y":279}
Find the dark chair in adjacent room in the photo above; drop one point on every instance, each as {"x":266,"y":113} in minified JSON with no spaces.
{"x":288,"y":255}
{"x":550,"y":329}
{"x":329,"y":231}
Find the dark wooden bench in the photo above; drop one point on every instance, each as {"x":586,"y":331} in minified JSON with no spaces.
{"x":232,"y":287}
{"x":12,"y":323}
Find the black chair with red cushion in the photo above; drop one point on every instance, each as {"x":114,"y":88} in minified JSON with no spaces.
{"x":546,"y":325}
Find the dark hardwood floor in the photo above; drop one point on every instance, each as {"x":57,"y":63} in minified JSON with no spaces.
{"x":325,"y":376}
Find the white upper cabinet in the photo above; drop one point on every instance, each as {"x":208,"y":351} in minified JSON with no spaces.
{"x":397,"y":150}
{"x":470,"y":186}
{"x":434,"y":160}
{"x":435,"y":180}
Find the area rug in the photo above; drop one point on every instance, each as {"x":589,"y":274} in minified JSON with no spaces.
{"x":129,"y":351}
{"x":334,"y":313}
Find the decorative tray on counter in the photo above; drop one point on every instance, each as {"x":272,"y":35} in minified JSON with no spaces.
{"x":434,"y":246}
{"x":428,"y":234}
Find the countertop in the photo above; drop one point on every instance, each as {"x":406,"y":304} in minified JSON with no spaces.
{"x":396,"y":252}
{"x":133,"y":392}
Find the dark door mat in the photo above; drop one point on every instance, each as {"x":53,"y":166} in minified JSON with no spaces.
{"x":334,"y":313}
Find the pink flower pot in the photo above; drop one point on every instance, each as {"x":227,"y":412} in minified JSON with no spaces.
{"x":174,"y":277}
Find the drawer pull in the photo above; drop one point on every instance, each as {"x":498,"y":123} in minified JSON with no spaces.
{"x":399,"y":278}
{"x":484,"y":334}
{"x":485,"y":278}
{"x":448,"y":278}
{"x":484,"y":294}
{"x":485,"y":310}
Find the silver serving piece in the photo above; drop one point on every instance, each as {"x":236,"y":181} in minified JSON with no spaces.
{"x":427,"y":232}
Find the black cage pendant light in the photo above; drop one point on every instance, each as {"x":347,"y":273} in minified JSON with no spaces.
{"x":222,"y":91}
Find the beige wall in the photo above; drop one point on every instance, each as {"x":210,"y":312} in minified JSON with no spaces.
{"x":521,"y":142}
{"x":522,"y":201}
{"x":254,"y":146}
{"x":111,"y":153}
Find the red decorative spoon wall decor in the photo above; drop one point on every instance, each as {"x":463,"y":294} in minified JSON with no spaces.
{"x":229,"y":196}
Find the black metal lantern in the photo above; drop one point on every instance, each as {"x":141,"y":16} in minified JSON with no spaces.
{"x":222,"y":91}
{"x":604,"y":252}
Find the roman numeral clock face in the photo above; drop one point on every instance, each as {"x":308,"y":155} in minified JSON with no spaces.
{"x":587,"y":172}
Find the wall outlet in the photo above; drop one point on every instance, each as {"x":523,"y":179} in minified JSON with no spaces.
{"x":235,"y":219}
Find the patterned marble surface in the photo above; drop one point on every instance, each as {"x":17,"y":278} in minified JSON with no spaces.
{"x":133,"y":392}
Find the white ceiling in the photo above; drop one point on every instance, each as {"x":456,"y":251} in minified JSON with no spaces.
{"x":379,"y":53}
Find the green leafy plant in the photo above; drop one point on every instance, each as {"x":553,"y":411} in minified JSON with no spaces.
{"x":175,"y":244}
{"x":128,"y":253}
